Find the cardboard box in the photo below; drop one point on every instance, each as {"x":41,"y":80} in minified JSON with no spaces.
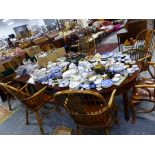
{"x":52,"y":56}
{"x":36,"y":49}
{"x":29,"y":52}
{"x":42,"y":61}
{"x":61,"y":52}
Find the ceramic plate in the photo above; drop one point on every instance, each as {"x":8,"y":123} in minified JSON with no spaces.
{"x":106,"y":83}
{"x":68,"y":73}
{"x":107,"y":55}
{"x":63,"y":83}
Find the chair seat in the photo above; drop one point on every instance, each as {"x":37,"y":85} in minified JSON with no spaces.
{"x":143,"y":94}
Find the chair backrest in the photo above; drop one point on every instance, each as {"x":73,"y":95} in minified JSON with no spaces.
{"x":145,"y":40}
{"x":37,"y":100}
{"x":14,"y":91}
{"x":85,"y":106}
{"x":33,"y":102}
{"x":10,"y":64}
{"x":7,"y":78}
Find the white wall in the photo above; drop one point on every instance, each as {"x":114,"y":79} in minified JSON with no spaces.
{"x":5,"y":30}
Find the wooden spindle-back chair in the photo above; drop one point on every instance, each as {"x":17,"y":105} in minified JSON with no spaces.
{"x":88,"y":108}
{"x":144,"y":90}
{"x":145,"y":40}
{"x":33,"y":103}
{"x":4,"y":93}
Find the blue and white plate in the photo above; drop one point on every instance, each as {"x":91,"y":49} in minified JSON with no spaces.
{"x":106,"y":55}
{"x":106,"y":83}
{"x":63,"y":83}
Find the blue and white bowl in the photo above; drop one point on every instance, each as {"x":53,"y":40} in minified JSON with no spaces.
{"x":106,"y":83}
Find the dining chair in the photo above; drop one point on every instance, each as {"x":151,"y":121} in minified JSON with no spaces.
{"x":88,"y":108}
{"x":144,"y":90}
{"x":48,"y":47}
{"x":141,"y":57}
{"x":34,"y":102}
{"x":145,"y":40}
{"x":5,"y":94}
{"x":13,"y":63}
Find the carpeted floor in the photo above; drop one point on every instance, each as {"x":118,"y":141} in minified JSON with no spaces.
{"x":108,"y":47}
{"x":4,"y":113}
{"x":15,"y":125}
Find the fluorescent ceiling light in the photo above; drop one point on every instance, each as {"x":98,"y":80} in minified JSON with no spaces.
{"x":10,"y":23}
{"x":5,"y":20}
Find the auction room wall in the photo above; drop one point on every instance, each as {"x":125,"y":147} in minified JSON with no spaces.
{"x":5,"y":30}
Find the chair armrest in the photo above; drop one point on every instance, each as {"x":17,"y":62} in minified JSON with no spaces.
{"x":36,"y":94}
{"x":142,"y":59}
{"x":144,"y":86}
{"x":111,"y":100}
{"x":151,"y":63}
{"x":8,"y":78}
{"x":24,"y":87}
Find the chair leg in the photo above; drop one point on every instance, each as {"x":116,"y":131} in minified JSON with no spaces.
{"x":78,"y":130}
{"x":39,"y":122}
{"x":106,"y":131}
{"x":9,"y":104}
{"x":133,"y":114}
{"x":115,"y":115}
{"x":27,"y":116}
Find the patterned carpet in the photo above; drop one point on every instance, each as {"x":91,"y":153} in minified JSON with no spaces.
{"x":107,"y":47}
{"x":4,"y":113}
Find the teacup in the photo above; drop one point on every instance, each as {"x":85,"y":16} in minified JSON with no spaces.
{"x":115,"y":79}
{"x":104,"y":76}
{"x":117,"y":75}
{"x":130,"y":71}
{"x":98,"y":82}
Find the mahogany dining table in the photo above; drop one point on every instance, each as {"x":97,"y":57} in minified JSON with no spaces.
{"x":122,"y":89}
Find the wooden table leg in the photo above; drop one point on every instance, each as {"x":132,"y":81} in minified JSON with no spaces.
{"x":126,"y":106}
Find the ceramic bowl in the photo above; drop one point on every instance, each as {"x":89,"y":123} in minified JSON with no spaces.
{"x":117,"y":75}
{"x":106,"y":83}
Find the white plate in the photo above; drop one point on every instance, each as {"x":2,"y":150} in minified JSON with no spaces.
{"x":107,"y":55}
{"x":68,"y":73}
